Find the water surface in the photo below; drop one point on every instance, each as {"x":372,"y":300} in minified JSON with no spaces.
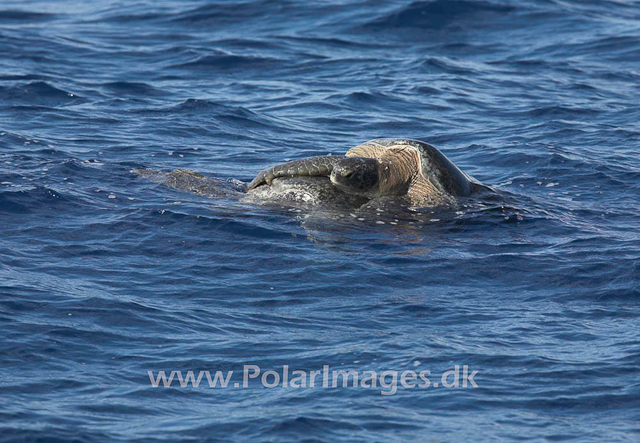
{"x":105,"y":276}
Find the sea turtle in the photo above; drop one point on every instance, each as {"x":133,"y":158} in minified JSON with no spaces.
{"x":400,"y":168}
{"x":408,"y":170}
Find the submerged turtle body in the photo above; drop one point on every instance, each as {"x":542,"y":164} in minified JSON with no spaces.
{"x":303,"y":191}
{"x":410,"y":169}
{"x":299,"y":191}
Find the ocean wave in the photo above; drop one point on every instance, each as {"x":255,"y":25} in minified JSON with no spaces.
{"x":441,"y":13}
{"x":211,"y":109}
{"x":225,"y":13}
{"x":9,"y":16}
{"x":38,"y":93}
{"x":458,"y":67}
{"x":35,"y":198}
{"x":229,"y":63}
{"x":133,"y":88}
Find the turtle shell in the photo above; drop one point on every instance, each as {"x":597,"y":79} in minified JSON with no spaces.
{"x":435,"y":166}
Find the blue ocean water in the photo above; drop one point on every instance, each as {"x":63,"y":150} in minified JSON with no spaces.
{"x":105,"y":276}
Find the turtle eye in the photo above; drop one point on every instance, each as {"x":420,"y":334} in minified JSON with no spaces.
{"x":347,"y":174}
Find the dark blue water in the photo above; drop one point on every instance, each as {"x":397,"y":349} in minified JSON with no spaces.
{"x":105,"y":276}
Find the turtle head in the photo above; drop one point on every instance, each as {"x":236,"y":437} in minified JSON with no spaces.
{"x":357,"y":176}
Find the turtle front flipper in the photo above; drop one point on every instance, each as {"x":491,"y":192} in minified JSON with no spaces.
{"x":313,"y":166}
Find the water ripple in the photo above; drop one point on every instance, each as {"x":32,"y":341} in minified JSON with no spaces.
{"x":105,"y":276}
